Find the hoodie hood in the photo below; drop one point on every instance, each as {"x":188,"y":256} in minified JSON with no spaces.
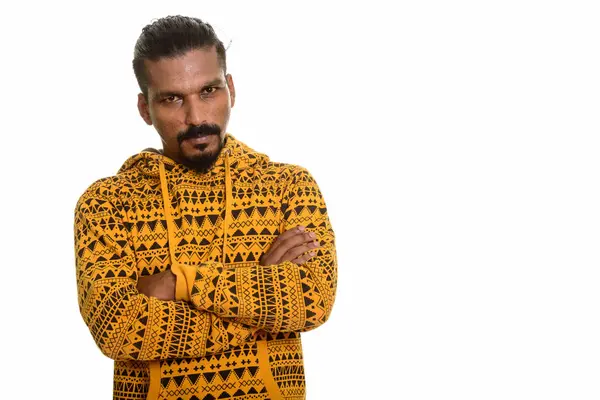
{"x":240,"y":156}
{"x":233,"y":158}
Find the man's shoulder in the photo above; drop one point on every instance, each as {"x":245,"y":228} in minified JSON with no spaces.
{"x":112,"y":187}
{"x":104,"y":189}
{"x":285,"y":173}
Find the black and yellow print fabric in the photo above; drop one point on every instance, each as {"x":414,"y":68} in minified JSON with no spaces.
{"x":234,"y":331}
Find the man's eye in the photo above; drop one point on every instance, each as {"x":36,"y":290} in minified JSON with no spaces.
{"x":170,"y":99}
{"x":209,"y":90}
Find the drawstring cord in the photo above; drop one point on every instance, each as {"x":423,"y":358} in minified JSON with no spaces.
{"x":168,"y":215}
{"x":228,"y":198}
{"x":182,"y":289}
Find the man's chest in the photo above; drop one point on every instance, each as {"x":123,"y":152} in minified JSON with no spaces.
{"x":208,"y":222}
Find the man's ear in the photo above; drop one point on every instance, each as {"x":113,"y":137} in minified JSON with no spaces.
{"x":231,"y":89}
{"x":144,"y":109}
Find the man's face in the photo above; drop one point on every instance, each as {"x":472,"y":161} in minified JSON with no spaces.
{"x":189,"y":102}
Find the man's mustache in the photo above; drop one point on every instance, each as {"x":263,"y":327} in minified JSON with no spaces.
{"x":199,"y":130}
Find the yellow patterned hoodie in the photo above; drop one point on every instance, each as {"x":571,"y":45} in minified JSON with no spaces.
{"x":234,"y":330}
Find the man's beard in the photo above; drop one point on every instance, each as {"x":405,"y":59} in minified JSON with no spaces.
{"x":201,"y":163}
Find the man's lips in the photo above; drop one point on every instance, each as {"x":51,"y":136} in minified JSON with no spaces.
{"x":199,"y":139}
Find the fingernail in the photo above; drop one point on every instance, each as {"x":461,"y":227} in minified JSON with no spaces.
{"x":312,"y":235}
{"x":312,"y":253}
{"x":300,"y":228}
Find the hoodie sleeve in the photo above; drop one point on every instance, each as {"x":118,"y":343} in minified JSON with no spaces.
{"x":126,"y":324}
{"x":277,"y":298}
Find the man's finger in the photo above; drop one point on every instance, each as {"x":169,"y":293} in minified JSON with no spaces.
{"x":299,"y":250}
{"x":304,"y":258}
{"x":291,"y":242}
{"x":285,"y":235}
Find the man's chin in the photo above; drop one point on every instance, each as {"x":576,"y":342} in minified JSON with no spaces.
{"x":201,"y":159}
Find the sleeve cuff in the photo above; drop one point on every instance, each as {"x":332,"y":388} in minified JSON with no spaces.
{"x":185,"y":281}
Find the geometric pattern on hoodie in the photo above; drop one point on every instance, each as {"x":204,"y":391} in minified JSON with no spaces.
{"x":235,"y":332}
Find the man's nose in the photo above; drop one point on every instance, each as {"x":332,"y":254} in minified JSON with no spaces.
{"x":196,"y":110}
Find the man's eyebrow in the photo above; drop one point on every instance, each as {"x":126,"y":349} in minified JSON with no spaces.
{"x":214,"y":82}
{"x":167,"y":93}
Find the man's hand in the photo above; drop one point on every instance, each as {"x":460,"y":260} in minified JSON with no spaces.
{"x":161,"y":286}
{"x":291,"y":246}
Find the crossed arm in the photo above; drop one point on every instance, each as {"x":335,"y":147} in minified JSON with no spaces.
{"x":256,"y":296}
{"x":292,"y":291}
{"x":295,"y":245}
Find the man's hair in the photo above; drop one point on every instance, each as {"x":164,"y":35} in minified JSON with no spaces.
{"x":172,"y":37}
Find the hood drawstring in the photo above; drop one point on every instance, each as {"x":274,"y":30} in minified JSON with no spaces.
{"x":185,"y":276}
{"x":228,"y":198}
{"x":169,"y":215}
{"x":164,"y":188}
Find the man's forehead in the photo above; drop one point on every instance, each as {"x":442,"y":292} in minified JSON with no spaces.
{"x":197,"y":66}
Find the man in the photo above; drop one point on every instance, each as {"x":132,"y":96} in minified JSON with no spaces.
{"x":199,"y":265}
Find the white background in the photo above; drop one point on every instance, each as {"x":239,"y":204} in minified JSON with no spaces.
{"x":456,"y":144}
